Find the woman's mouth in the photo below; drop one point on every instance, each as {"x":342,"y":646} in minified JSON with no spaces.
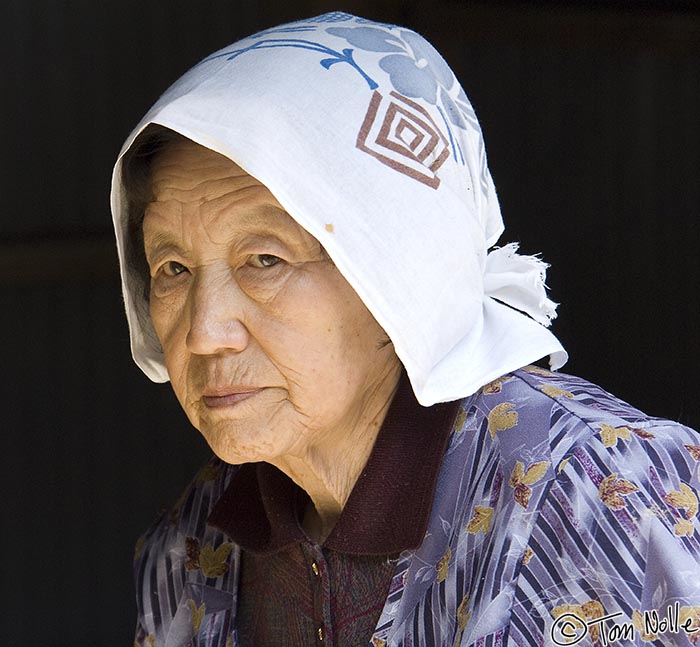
{"x":228,"y":399}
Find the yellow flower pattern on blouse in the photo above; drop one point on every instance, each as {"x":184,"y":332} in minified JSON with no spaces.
{"x":442,"y":566}
{"x":213,"y":563}
{"x":612,"y":489}
{"x":610,"y":435}
{"x":463,"y":612}
{"x":197,"y":614}
{"x":538,"y":371}
{"x":684,"y":499}
{"x":527,"y":556}
{"x":555,"y":392}
{"x":481,"y":520}
{"x":501,"y":417}
{"x":562,"y":466}
{"x":460,"y":419}
{"x":684,"y":528}
{"x":463,"y":616}
{"x":492,"y":388}
{"x":521,"y":479}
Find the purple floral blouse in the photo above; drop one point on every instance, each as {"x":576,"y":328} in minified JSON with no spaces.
{"x":561,"y":516}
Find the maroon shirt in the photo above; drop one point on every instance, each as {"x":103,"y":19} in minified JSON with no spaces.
{"x":295,"y":592}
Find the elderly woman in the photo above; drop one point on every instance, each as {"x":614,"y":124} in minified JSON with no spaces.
{"x":303,"y":223}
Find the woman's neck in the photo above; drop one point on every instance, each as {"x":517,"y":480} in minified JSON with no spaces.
{"x":327,"y":472}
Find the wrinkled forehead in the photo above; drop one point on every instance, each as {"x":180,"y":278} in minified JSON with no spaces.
{"x":185,"y":172}
{"x":194,"y":187}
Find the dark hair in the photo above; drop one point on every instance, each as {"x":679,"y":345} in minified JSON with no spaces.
{"x":137,"y":167}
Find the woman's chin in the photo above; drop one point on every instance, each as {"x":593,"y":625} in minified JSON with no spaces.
{"x":247,"y":442}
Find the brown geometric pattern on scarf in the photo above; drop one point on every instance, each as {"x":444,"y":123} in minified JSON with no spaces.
{"x":402,"y":135}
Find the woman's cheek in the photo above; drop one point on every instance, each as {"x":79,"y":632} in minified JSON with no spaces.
{"x":265,"y":285}
{"x":168,"y":317}
{"x":166,"y":287}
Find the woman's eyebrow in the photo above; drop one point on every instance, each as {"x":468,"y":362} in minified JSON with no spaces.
{"x":161,"y":241}
{"x":266,"y":219}
{"x":261,"y":221}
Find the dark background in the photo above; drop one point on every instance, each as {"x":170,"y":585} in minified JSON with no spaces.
{"x":590,"y":112}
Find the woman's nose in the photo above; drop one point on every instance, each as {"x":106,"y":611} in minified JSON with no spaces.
{"x":216,"y":315}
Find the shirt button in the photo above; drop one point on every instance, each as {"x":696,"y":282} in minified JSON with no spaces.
{"x":320,"y":634}
{"x":314,"y":568}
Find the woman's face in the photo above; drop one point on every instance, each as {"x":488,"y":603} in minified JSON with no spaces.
{"x":269,"y":350}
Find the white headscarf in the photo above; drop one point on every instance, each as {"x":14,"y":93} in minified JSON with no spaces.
{"x":364,"y":135}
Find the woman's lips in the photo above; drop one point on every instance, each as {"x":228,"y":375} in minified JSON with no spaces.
{"x":228,"y":399}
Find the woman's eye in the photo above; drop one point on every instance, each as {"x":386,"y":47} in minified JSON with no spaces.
{"x":173,"y":268}
{"x":264,"y":260}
